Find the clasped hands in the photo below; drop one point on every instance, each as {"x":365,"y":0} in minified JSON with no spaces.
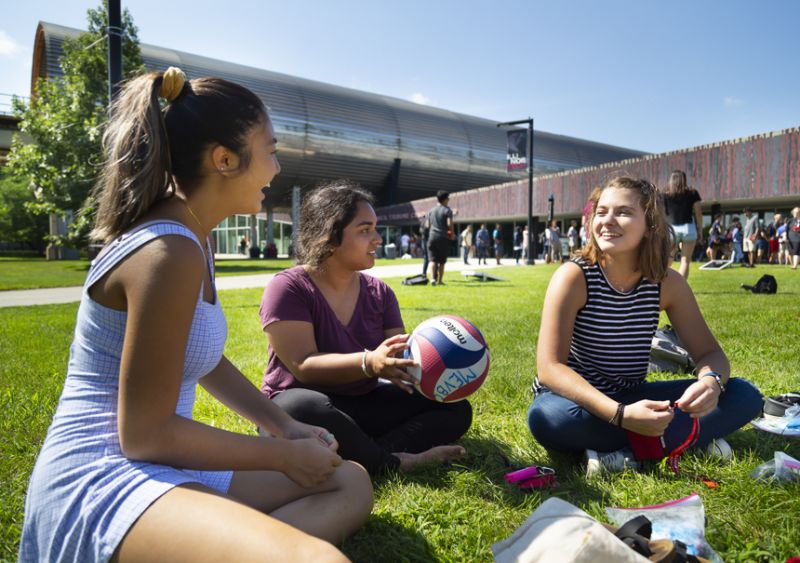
{"x":312,"y":457}
{"x":651,"y":418}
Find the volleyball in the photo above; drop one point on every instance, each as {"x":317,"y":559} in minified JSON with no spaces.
{"x":452,"y":355}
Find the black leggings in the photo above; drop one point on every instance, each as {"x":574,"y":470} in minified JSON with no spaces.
{"x":370,"y":427}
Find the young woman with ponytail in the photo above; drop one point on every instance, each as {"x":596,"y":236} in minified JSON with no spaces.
{"x":124,"y":472}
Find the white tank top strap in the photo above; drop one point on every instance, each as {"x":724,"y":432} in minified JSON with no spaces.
{"x":122,"y":246}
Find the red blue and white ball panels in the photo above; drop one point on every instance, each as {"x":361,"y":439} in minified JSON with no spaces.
{"x":452,"y":355}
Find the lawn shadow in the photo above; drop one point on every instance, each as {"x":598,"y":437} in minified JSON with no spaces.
{"x":474,"y":282}
{"x":486,"y":460}
{"x":740,"y":292}
{"x":257,"y":268}
{"x":79,"y":267}
{"x":433,"y":310}
{"x":408,"y":545}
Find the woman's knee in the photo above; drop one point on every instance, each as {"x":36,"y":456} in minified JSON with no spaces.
{"x":352,"y":476}
{"x":306,"y":405}
{"x":462,"y":415}
{"x":744,"y":398}
{"x":542,"y":426}
{"x":353,"y":481}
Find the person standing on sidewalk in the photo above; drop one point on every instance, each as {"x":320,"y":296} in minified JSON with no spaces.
{"x":793,"y":237}
{"x":518,"y":237}
{"x":482,"y":243}
{"x":440,"y":219}
{"x":466,"y":243}
{"x":750,"y":234}
{"x":424,"y":232}
{"x":497,"y":237}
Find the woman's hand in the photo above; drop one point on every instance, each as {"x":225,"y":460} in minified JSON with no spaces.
{"x":700,"y":398}
{"x":296,"y":430}
{"x":646,"y":417}
{"x":309,"y":463}
{"x":386,"y":361}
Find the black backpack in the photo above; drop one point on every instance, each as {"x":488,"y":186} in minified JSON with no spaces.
{"x":419,"y":279}
{"x":765,"y":284}
{"x":668,"y":354}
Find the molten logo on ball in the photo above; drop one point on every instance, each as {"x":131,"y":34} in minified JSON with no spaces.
{"x":452,"y":355}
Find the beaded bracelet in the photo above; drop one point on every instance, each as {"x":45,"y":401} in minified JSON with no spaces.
{"x":616,"y":420}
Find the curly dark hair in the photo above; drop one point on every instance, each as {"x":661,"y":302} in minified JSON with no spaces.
{"x":324,"y":214}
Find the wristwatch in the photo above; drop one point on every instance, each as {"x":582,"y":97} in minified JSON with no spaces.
{"x":718,"y":377}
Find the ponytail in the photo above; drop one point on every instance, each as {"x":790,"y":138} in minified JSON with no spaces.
{"x":137,"y":167}
{"x":149,"y":149}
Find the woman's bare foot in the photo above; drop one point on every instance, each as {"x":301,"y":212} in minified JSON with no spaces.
{"x":438,"y":454}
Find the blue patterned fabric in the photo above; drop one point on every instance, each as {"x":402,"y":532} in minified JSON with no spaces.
{"x":84,"y":494}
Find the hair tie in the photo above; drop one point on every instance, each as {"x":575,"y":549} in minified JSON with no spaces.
{"x":172,"y":83}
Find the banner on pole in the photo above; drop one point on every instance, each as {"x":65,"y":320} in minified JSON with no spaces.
{"x":517,"y":150}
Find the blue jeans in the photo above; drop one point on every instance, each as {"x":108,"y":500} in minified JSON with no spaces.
{"x":465,"y":253}
{"x":559,"y":424}
{"x":738,"y":253}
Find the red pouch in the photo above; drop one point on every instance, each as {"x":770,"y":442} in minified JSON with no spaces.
{"x":646,"y":448}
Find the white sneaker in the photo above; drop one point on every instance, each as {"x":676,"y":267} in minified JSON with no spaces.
{"x":718,"y":448}
{"x":620,"y":460}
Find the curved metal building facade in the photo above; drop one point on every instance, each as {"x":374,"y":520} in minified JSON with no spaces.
{"x":398,"y":149}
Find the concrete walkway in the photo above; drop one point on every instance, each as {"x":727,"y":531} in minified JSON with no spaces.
{"x":48,"y":296}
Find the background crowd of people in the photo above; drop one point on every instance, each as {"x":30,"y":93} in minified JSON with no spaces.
{"x":746,"y":240}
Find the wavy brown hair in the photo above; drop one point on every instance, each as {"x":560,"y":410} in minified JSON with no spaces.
{"x":654,"y":250}
{"x":149,"y":147}
{"x":324,"y":214}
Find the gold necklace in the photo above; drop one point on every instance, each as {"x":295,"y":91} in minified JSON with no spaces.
{"x":186,"y":203}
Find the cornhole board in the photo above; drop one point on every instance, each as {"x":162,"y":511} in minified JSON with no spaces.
{"x":717,"y":264}
{"x":481,"y":276}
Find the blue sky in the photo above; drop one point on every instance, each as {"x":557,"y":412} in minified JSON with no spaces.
{"x":649,"y":75}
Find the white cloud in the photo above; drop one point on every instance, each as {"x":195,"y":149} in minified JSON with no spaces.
{"x":8,"y":47}
{"x":420,"y":98}
{"x":732,"y":102}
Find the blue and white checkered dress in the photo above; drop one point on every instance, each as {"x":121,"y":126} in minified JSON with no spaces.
{"x":84,"y":494}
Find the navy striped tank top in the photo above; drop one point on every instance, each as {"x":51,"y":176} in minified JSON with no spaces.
{"x":613,"y":332}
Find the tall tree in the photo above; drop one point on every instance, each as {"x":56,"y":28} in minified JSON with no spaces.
{"x":65,"y":118}
{"x":17,"y":224}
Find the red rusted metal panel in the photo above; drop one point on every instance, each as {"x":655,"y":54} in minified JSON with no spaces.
{"x":761,"y":169}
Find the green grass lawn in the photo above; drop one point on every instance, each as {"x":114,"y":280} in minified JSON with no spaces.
{"x":455,"y":513}
{"x":32,"y":273}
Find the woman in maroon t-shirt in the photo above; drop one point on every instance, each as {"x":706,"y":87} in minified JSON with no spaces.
{"x":336,"y":339}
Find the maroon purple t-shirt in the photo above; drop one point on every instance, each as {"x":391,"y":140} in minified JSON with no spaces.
{"x":292,"y":296}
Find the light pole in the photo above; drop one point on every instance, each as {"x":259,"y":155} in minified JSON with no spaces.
{"x":114,"y":31}
{"x":531,"y":235}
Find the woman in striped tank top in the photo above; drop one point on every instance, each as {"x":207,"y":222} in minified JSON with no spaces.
{"x":600,"y":313}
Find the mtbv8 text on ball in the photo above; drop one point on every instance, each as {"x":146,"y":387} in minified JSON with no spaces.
{"x":453,"y":358}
